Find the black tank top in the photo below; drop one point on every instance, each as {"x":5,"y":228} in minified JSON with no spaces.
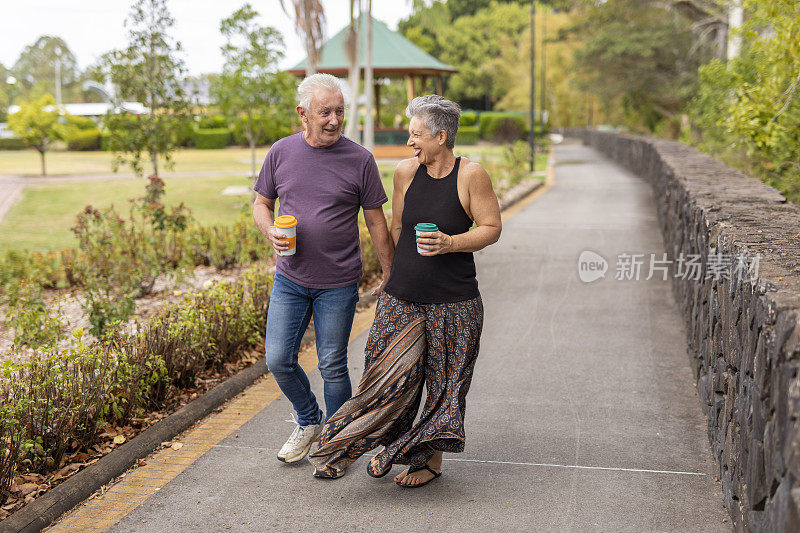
{"x":441,"y":278}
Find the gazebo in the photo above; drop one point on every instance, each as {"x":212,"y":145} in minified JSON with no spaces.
{"x":393,"y":56}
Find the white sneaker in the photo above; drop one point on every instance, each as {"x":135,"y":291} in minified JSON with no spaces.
{"x":300,"y":441}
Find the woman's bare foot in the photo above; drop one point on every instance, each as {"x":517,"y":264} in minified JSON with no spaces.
{"x":420,"y":476}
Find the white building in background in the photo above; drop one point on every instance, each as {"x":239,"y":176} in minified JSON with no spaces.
{"x":96,"y":111}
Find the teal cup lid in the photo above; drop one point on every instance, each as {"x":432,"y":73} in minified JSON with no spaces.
{"x":426,"y":227}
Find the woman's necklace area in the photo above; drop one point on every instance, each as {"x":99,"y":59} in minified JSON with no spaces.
{"x":452,"y":166}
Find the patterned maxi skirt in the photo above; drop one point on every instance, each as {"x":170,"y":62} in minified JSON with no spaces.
{"x":409,"y":344}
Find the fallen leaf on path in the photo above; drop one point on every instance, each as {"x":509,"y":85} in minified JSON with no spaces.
{"x":177,"y":446}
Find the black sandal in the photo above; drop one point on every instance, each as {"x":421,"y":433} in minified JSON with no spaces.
{"x":413,"y":469}
{"x":329,"y":473}
{"x":372,"y":472}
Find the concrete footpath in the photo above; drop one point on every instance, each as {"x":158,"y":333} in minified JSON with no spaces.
{"x":582,"y":414}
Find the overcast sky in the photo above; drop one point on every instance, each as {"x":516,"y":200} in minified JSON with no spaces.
{"x":92,"y":27}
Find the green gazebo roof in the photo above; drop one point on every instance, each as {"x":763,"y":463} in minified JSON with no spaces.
{"x":392,"y":55}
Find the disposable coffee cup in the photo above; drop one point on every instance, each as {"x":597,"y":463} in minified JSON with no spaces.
{"x":288,"y":226}
{"x":424,"y":227}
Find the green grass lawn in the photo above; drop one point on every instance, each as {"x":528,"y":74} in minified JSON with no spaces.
{"x":42,"y":219}
{"x":27,"y":162}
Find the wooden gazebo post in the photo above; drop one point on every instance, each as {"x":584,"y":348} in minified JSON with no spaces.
{"x":411,"y":90}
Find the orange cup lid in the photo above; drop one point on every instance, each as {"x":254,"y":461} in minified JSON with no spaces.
{"x":285,"y":221}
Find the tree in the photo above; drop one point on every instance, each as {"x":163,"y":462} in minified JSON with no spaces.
{"x":148,"y":71}
{"x":642,"y":52}
{"x":423,"y":25}
{"x":250,"y":89}
{"x":309,"y":21}
{"x":471,"y":43}
{"x":369,"y":123}
{"x":354,"y":72}
{"x":37,"y":124}
{"x":36,"y":68}
{"x":754,"y":100}
{"x":5,"y":90}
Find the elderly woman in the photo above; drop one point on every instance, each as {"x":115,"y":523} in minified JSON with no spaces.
{"x":428,"y":321}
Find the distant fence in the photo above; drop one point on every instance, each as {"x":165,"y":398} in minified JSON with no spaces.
{"x":743,"y":335}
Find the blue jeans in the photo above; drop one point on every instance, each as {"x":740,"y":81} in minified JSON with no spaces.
{"x":291,"y":307}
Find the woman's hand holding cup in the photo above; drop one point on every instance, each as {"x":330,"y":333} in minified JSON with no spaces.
{"x":434,"y":243}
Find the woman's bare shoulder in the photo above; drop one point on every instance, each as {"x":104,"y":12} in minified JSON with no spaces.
{"x":472,"y":170}
{"x":406,"y":169}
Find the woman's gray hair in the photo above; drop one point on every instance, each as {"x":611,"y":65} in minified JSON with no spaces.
{"x":437,"y":114}
{"x":320,"y":81}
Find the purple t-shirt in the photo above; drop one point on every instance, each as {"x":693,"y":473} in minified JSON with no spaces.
{"x":323,"y":188}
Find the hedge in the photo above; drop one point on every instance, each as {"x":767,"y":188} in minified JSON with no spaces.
{"x":84,"y":140}
{"x":105,"y":138}
{"x":12,"y":143}
{"x":274,"y":130}
{"x":213,"y":122}
{"x":206,"y":139}
{"x":468,"y":118}
{"x":502,"y":127}
{"x":467,"y":135}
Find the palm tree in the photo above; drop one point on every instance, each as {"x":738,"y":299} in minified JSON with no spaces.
{"x":369,"y":130}
{"x":309,"y":22}
{"x":354,"y":74}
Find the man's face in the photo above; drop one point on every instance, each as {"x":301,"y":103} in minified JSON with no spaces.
{"x":323,"y":118}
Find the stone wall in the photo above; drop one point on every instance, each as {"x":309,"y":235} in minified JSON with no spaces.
{"x":743,"y":335}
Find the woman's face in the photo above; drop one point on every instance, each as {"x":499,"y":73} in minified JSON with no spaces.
{"x":426,"y":147}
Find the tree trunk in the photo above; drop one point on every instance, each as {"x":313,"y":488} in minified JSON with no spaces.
{"x":354,"y":74}
{"x":44,"y":170}
{"x":735,"y":19}
{"x":154,"y":159}
{"x":252,"y":139}
{"x":369,"y":130}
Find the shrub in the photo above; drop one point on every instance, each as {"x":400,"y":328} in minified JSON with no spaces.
{"x":213,"y":122}
{"x":11,"y":436}
{"x":273,"y":130}
{"x":80,"y":123}
{"x":206,"y":139}
{"x":502,"y":127}
{"x":120,"y":259}
{"x":12,"y":143}
{"x":184,"y":133}
{"x":84,"y":140}
{"x":44,"y":270}
{"x":34,"y":324}
{"x":105,"y":141}
{"x":468,"y":118}
{"x":467,"y":135}
{"x":60,"y":399}
{"x":207,"y":328}
{"x":227,"y":246}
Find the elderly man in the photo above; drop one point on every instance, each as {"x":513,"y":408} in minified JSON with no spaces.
{"x":322,"y":179}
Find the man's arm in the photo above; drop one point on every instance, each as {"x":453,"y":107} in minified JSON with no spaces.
{"x":264,"y":216}
{"x":384,"y":246}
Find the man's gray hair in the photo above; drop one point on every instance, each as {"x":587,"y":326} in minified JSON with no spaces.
{"x":437,"y":114}
{"x":320,"y":81}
